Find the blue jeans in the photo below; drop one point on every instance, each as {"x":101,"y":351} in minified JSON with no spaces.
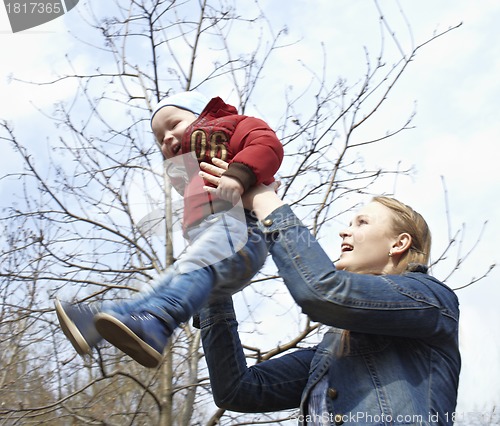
{"x":226,"y":250}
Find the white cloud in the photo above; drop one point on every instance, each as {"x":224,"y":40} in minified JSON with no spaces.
{"x":479,"y":385}
{"x":36,"y":55}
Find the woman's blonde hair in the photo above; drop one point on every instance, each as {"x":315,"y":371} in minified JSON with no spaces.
{"x":407,"y":220}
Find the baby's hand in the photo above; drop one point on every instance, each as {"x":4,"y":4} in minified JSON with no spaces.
{"x":229,"y":189}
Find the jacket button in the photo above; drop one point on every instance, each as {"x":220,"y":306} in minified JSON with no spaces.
{"x":267,"y":222}
{"x":338,"y":419}
{"x":332,"y":393}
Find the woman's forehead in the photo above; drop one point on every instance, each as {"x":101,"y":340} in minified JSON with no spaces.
{"x":374,"y":211}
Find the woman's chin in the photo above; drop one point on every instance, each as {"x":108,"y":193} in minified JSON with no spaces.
{"x":340,"y":265}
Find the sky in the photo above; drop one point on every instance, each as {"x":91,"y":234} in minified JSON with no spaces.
{"x":455,"y":86}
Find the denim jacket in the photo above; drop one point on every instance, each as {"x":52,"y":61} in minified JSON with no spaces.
{"x":399,"y":364}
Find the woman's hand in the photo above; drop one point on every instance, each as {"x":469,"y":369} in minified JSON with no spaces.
{"x":261,"y":199}
{"x":213,"y":172}
{"x":225,"y":187}
{"x":230,"y":189}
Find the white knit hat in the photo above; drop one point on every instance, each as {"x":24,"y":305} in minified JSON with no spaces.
{"x":190,"y":101}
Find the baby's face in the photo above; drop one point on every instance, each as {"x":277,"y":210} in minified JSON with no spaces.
{"x":169,"y":125}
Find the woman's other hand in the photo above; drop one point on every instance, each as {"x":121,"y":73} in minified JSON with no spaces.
{"x":262,"y":199}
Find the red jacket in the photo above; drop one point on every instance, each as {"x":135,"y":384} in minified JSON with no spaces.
{"x":248,"y":144}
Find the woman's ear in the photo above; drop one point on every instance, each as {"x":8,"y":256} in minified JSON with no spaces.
{"x":401,"y":244}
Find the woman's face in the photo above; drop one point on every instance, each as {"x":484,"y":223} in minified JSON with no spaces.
{"x":367,"y":242}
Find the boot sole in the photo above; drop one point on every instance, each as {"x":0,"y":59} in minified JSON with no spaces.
{"x":123,"y":338}
{"x":71,"y":331}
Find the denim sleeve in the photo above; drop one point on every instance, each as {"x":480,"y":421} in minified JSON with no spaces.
{"x":271,"y":385}
{"x":409,"y":305}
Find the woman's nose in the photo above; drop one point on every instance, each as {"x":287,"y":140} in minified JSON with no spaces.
{"x":344,"y":233}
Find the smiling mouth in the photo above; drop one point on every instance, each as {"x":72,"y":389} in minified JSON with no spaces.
{"x":176,"y":149}
{"x":346,"y":248}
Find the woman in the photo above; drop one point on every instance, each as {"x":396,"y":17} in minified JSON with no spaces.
{"x":391,"y":355}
